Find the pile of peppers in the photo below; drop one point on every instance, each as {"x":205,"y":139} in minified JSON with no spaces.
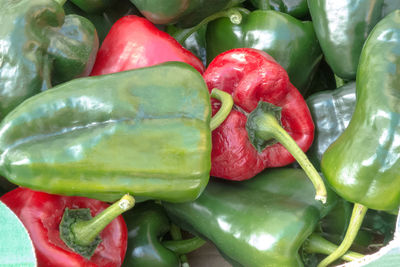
{"x":134,"y":132}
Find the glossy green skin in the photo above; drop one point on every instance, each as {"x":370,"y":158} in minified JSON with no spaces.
{"x":147,"y":224}
{"x":262,"y":220}
{"x":187,"y":13}
{"x":342,"y":26}
{"x":145,"y":132}
{"x":195,"y":43}
{"x":331,"y":112}
{"x":295,"y":8}
{"x":93,"y":6}
{"x":41,"y":47}
{"x":291,"y":42}
{"x":104,"y":20}
{"x":363,"y":164}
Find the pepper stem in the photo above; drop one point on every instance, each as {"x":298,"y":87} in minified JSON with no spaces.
{"x":226,"y":107}
{"x":176,"y":234}
{"x":184,"y":246}
{"x":46,"y":74}
{"x":86,"y":231}
{"x":339,"y":81}
{"x":80,"y":231}
{"x":262,"y":125}
{"x":233,"y":14}
{"x":356,"y":219}
{"x":317,"y":244}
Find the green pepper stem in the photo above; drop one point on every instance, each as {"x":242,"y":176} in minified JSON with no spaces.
{"x":269,"y":127}
{"x":234,"y":14}
{"x":225,"y":109}
{"x":176,"y":234}
{"x":46,"y":74}
{"x":86,"y":231}
{"x":356,"y":219}
{"x":184,"y":246}
{"x":317,"y":244}
{"x":339,"y":81}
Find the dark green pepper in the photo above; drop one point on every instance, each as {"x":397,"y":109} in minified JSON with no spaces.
{"x":40,"y":47}
{"x":104,"y":20}
{"x":342,"y":26}
{"x":362,"y":165}
{"x":145,"y":132}
{"x":94,"y":6}
{"x":262,"y":220}
{"x":331,"y":112}
{"x":324,"y":79}
{"x":5,"y":185}
{"x":295,"y":8}
{"x":194,"y":38}
{"x":195,"y":43}
{"x":148,"y":226}
{"x":291,"y":42}
{"x":186,"y":13}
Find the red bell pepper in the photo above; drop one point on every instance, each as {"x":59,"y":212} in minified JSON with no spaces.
{"x":41,"y":213}
{"x":244,"y":144}
{"x":134,"y":42}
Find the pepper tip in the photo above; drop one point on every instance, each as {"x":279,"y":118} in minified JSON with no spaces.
{"x":321,"y":198}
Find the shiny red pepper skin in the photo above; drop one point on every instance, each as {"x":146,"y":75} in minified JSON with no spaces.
{"x":134,"y":42}
{"x":250,"y":76}
{"x":41,"y":214}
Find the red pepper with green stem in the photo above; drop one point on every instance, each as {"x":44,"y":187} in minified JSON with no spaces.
{"x":248,"y":138}
{"x":101,"y":240}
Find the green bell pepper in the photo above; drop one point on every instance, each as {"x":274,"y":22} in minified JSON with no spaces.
{"x":186,"y":13}
{"x":40,"y":47}
{"x":291,"y":42}
{"x":94,"y":6}
{"x":262,"y":220}
{"x":362,"y":164}
{"x":295,"y":8}
{"x":195,"y":43}
{"x":104,"y":20}
{"x":148,"y":226}
{"x":342,"y":27}
{"x":145,"y":132}
{"x":331,"y":112}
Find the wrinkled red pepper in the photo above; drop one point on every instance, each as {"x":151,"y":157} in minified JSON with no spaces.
{"x":41,"y":213}
{"x":251,"y":76}
{"x":134,"y":42}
